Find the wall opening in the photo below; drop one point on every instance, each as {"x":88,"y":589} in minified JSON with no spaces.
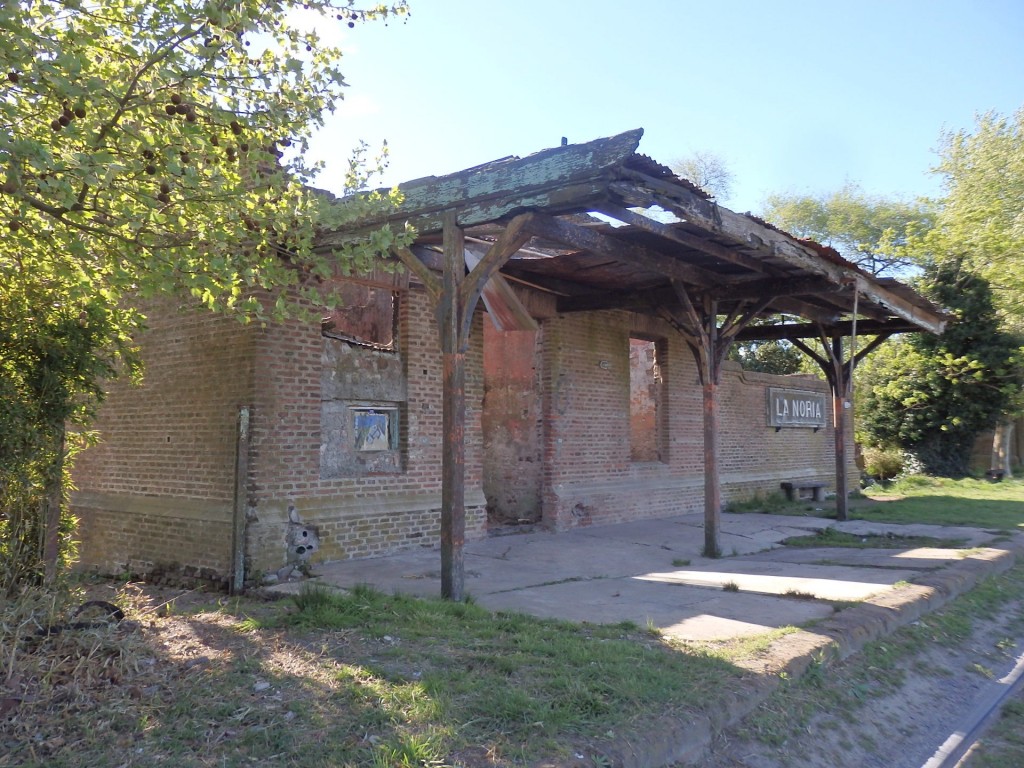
{"x":646,"y":395}
{"x":366,"y":315}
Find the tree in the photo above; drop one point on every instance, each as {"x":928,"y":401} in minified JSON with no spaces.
{"x":778,"y":357}
{"x":708,"y":171}
{"x":155,"y":146}
{"x":149,"y":148}
{"x":981,"y":217}
{"x":982,"y":211}
{"x":933,"y":395}
{"x":872,"y":232}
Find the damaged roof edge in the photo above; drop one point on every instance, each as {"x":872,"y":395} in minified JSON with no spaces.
{"x":579,"y":177}
{"x":509,"y":179}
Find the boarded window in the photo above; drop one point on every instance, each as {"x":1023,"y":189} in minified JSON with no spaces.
{"x":365,"y":315}
{"x":645,"y":400}
{"x":375,"y":429}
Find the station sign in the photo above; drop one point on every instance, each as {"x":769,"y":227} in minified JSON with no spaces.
{"x":796,"y":408}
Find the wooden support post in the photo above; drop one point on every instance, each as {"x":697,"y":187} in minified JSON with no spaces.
{"x":712,"y":483}
{"x":241,"y":502}
{"x":453,"y":491}
{"x":840,"y":380}
{"x":698,"y":324}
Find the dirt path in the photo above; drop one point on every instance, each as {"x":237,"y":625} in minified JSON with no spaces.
{"x":891,"y":706}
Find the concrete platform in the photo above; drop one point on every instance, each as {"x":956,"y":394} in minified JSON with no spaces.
{"x":651,"y":573}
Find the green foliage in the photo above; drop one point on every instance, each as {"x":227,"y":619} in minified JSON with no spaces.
{"x":932,"y":395}
{"x":872,"y":232}
{"x":883,"y":462}
{"x":53,"y":357}
{"x":778,"y":357}
{"x":980,"y":215}
{"x":151,"y":148}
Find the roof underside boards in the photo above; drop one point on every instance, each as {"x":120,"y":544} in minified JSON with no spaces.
{"x":630,"y":258}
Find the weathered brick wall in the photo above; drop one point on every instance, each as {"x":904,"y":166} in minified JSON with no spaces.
{"x":159,"y":487}
{"x":589,"y":477}
{"x":367,"y":513}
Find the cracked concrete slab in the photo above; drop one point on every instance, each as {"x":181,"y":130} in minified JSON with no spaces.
{"x":651,"y":572}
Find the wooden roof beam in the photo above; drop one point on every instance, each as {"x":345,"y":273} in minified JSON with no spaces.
{"x":686,"y":239}
{"x":606,"y":245}
{"x":813,"y":330}
{"x":633,"y":301}
{"x":743,"y":230}
{"x":560,"y":179}
{"x":777,"y":287}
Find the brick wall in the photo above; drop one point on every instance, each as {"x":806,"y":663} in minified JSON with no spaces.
{"x":159,"y":487}
{"x":589,"y":477}
{"x":368,"y":512}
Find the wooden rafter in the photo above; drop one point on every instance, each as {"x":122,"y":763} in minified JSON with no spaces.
{"x":585,"y":239}
{"x":681,"y":237}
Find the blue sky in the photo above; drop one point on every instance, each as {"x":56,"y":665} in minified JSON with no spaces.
{"x":796,"y":97}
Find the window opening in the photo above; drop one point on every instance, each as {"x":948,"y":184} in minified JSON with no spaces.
{"x":366,"y":315}
{"x":645,"y":400}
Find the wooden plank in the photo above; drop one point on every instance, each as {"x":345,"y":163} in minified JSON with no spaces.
{"x":512,"y":238}
{"x":778,"y":287}
{"x":712,"y":482}
{"x":927,"y":320}
{"x":681,"y":237}
{"x":417,"y":267}
{"x":634,"y":301}
{"x":606,"y":245}
{"x":788,"y":305}
{"x":241,"y":501}
{"x":840,"y":404}
{"x":811,"y":330}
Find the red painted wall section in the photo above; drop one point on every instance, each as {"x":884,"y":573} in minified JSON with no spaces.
{"x":511,"y":427}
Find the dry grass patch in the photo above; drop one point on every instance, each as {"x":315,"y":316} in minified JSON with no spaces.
{"x":358,"y":680}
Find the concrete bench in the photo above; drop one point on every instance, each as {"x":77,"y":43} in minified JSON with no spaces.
{"x":793,"y":489}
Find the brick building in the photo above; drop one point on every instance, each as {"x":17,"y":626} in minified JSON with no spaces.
{"x":583,"y":411}
{"x":549,"y":436}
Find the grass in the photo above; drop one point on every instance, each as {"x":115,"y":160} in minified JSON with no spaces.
{"x":844,"y":689}
{"x":1003,"y":745}
{"x":917,"y":499}
{"x":941,"y":501}
{"x":368,"y":679}
{"x":829,"y":537}
{"x":336,"y":679}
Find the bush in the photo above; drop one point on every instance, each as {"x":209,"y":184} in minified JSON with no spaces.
{"x":884,"y":463}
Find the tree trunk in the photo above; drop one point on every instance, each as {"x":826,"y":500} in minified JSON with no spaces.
{"x":53,"y":505}
{"x":1002,"y":447}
